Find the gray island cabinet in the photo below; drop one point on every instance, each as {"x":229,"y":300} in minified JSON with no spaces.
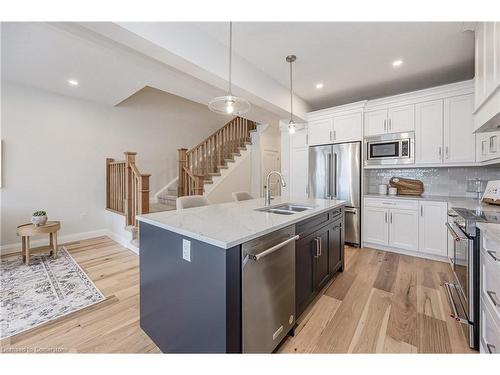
{"x":192,"y":267}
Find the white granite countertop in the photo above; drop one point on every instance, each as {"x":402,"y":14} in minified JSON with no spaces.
{"x":229,"y":224}
{"x":463,"y":202}
{"x":492,"y":229}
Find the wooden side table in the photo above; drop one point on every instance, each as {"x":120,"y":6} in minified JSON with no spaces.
{"x":28,"y":230}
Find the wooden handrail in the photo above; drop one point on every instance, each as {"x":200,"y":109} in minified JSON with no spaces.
{"x":207,"y":156}
{"x":127,"y":190}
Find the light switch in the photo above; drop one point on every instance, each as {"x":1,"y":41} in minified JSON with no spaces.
{"x":186,"y":250}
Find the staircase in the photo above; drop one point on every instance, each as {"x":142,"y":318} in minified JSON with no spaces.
{"x":199,"y":165}
{"x":127,"y":190}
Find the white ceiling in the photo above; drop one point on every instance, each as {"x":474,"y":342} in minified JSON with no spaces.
{"x":353,"y":59}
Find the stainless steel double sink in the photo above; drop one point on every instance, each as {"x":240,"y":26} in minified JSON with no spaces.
{"x":286,"y":208}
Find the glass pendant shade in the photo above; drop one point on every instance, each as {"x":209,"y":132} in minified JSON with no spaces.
{"x":291,"y":127}
{"x":229,"y":105}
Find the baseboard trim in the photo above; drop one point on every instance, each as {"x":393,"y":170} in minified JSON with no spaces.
{"x":16,"y":247}
{"x":405,"y":252}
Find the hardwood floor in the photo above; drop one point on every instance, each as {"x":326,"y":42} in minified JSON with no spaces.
{"x":381,"y":303}
{"x":111,"y":326}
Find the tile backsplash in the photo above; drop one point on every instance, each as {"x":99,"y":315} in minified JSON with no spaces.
{"x":437,"y":181}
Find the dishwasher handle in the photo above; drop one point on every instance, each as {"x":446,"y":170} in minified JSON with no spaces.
{"x":274,"y":248}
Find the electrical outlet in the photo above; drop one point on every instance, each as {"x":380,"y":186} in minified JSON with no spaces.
{"x":186,"y":250}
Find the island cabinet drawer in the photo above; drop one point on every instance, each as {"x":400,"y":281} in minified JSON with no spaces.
{"x":305,"y":228}
{"x":490,"y":331}
{"x":404,"y":204}
{"x":490,"y":281}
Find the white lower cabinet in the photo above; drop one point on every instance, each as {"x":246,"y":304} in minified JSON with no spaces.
{"x":376,"y":225}
{"x":391,"y":223}
{"x":403,"y":232}
{"x":433,"y":236}
{"x":406,"y":224}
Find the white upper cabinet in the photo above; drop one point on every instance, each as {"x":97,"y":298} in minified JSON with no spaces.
{"x":401,"y":119}
{"x":336,"y":125}
{"x":376,"y":122}
{"x":320,"y":132}
{"x":391,"y":120}
{"x":347,"y":128}
{"x":487,"y":76}
{"x":459,"y":139}
{"x":487,"y":146}
{"x":429,"y":132}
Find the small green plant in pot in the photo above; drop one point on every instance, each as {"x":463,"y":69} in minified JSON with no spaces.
{"x":39,"y":218}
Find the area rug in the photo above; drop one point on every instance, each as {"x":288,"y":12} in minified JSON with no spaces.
{"x":43,"y":291}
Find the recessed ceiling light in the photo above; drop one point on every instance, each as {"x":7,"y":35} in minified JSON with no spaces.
{"x":397,"y":63}
{"x":73,"y":82}
{"x":319,"y":85}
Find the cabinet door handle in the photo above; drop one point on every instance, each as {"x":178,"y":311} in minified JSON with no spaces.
{"x":320,"y":249}
{"x":330,"y":135}
{"x":446,"y":152}
{"x":493,"y":297}
{"x":493,"y":255}
{"x":334,"y":135}
{"x":390,"y":124}
{"x":439,"y":152}
{"x":385,"y":125}
{"x":391,"y":217}
{"x":491,"y":348}
{"x":385,"y":215}
{"x":421,"y":210}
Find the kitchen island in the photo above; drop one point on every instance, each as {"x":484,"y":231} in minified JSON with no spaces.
{"x":192,"y":269}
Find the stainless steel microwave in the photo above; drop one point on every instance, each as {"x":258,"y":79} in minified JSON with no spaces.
{"x":388,"y":149}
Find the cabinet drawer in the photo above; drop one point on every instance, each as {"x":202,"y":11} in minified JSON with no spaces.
{"x":392,"y":203}
{"x":490,"y":282}
{"x":307,"y":227}
{"x":490,"y":332}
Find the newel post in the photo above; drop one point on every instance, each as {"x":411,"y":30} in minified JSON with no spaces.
{"x":108,"y":187}
{"x":129,"y":159}
{"x":182,"y":162}
{"x":144,"y":194}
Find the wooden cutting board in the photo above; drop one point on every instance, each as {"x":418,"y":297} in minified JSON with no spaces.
{"x":407,"y":186}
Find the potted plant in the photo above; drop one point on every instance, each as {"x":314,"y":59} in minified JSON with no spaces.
{"x":39,"y":218}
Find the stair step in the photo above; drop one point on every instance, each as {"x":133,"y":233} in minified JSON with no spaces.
{"x":214,"y":174}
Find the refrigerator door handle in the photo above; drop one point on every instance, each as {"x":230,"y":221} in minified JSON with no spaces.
{"x":329,"y":176}
{"x":335,"y":175}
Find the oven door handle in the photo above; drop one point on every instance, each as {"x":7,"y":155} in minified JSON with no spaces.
{"x":452,"y":232}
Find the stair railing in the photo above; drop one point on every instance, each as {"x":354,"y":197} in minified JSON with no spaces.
{"x":127,"y":190}
{"x":196,"y":164}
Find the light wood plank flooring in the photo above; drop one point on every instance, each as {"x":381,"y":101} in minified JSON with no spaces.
{"x":381,"y":303}
{"x":111,"y":326}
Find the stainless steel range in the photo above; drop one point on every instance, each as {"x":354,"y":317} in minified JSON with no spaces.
{"x":463,"y":295}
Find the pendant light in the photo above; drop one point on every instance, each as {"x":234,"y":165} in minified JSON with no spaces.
{"x":229,"y":104}
{"x":291,"y":124}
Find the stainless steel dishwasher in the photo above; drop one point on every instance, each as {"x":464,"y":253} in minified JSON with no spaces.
{"x":268,"y":290}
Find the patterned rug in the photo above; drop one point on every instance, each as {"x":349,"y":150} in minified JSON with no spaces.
{"x":45,"y":290}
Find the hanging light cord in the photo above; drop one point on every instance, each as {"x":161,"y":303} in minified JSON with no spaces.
{"x":230,"y":53}
{"x":291,"y":93}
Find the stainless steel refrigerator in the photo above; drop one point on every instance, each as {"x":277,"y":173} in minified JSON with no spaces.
{"x":335,"y":173}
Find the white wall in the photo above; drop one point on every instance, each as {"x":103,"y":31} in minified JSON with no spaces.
{"x":54,"y":151}
{"x":236,"y":179}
